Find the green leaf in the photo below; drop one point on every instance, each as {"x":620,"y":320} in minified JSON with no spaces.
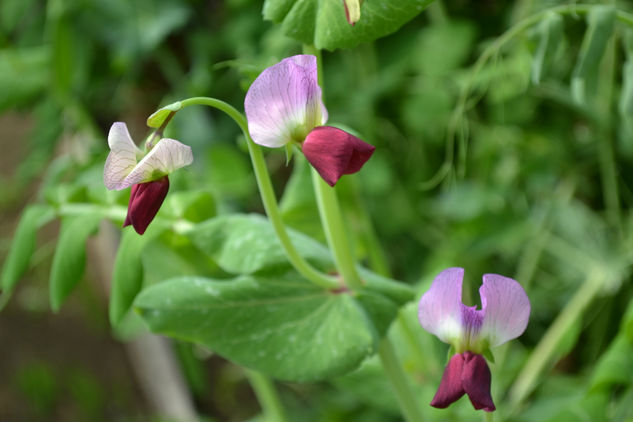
{"x":550,"y":32}
{"x":322,"y":23}
{"x":615,"y":365}
{"x":127,"y":274}
{"x":282,"y":326}
{"x":600,"y":23}
{"x":23,"y":244}
{"x":24,"y":74}
{"x":195,"y":206}
{"x":70,"y":256}
{"x":160,"y":116}
{"x":245,"y":244}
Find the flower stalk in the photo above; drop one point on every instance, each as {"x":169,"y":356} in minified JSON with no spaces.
{"x":267,"y":396}
{"x":267,"y":194}
{"x":335,"y":233}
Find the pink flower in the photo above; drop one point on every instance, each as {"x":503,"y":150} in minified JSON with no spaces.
{"x":127,"y":166}
{"x":504,"y":315}
{"x":283,"y":105}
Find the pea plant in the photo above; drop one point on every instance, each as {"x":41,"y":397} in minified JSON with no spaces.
{"x":529,"y":180}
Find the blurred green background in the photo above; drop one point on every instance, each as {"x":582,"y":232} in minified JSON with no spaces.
{"x":519,"y":178}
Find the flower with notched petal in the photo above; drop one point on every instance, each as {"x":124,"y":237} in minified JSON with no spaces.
{"x":504,"y":314}
{"x":284,"y":105}
{"x":147,"y":174}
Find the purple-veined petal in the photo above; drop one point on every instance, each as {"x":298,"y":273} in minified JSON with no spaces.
{"x":284,"y":102}
{"x":168,"y":155}
{"x":122,"y":157}
{"x":440,"y":309}
{"x":506,"y":309}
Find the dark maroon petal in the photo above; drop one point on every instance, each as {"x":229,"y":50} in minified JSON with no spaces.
{"x":334,"y":152}
{"x":476,"y":381}
{"x":133,"y":193}
{"x":450,"y":389}
{"x":145,"y":201}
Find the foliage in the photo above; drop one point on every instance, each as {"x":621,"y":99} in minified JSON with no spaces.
{"x":503,"y":134}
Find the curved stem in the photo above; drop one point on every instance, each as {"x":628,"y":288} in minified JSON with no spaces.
{"x":267,"y":194}
{"x":272,"y":210}
{"x":267,"y":396}
{"x":335,"y":232}
{"x":407,"y":400}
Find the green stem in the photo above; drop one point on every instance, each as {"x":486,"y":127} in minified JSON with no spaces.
{"x":267,"y":396}
{"x":546,"y":348}
{"x":272,"y":210}
{"x":375,"y":254}
{"x":336,"y":235}
{"x":335,"y":232}
{"x":267,"y":194}
{"x":409,"y":403}
{"x":489,"y":417}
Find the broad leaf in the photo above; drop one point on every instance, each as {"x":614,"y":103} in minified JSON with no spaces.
{"x":70,"y":256}
{"x":127,"y":275}
{"x":23,"y":244}
{"x":280,"y":325}
{"x":244,"y":244}
{"x":322,"y":23}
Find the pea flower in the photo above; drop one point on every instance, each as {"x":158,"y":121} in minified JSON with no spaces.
{"x":504,"y":313}
{"x":283,"y":106}
{"x":127,"y":166}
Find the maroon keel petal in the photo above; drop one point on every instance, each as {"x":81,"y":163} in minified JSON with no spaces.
{"x":145,"y":201}
{"x":476,"y":381}
{"x":450,"y":389}
{"x":133,"y":193}
{"x":334,"y":152}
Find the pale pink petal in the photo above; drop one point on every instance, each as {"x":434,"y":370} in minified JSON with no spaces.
{"x":506,"y":309}
{"x":168,"y":155}
{"x":284,"y":102}
{"x":440,"y":309}
{"x":122,"y":157}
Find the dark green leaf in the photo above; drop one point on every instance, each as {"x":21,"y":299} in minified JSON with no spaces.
{"x":244,"y":244}
{"x":70,"y":256}
{"x":23,"y":244}
{"x":322,"y":23}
